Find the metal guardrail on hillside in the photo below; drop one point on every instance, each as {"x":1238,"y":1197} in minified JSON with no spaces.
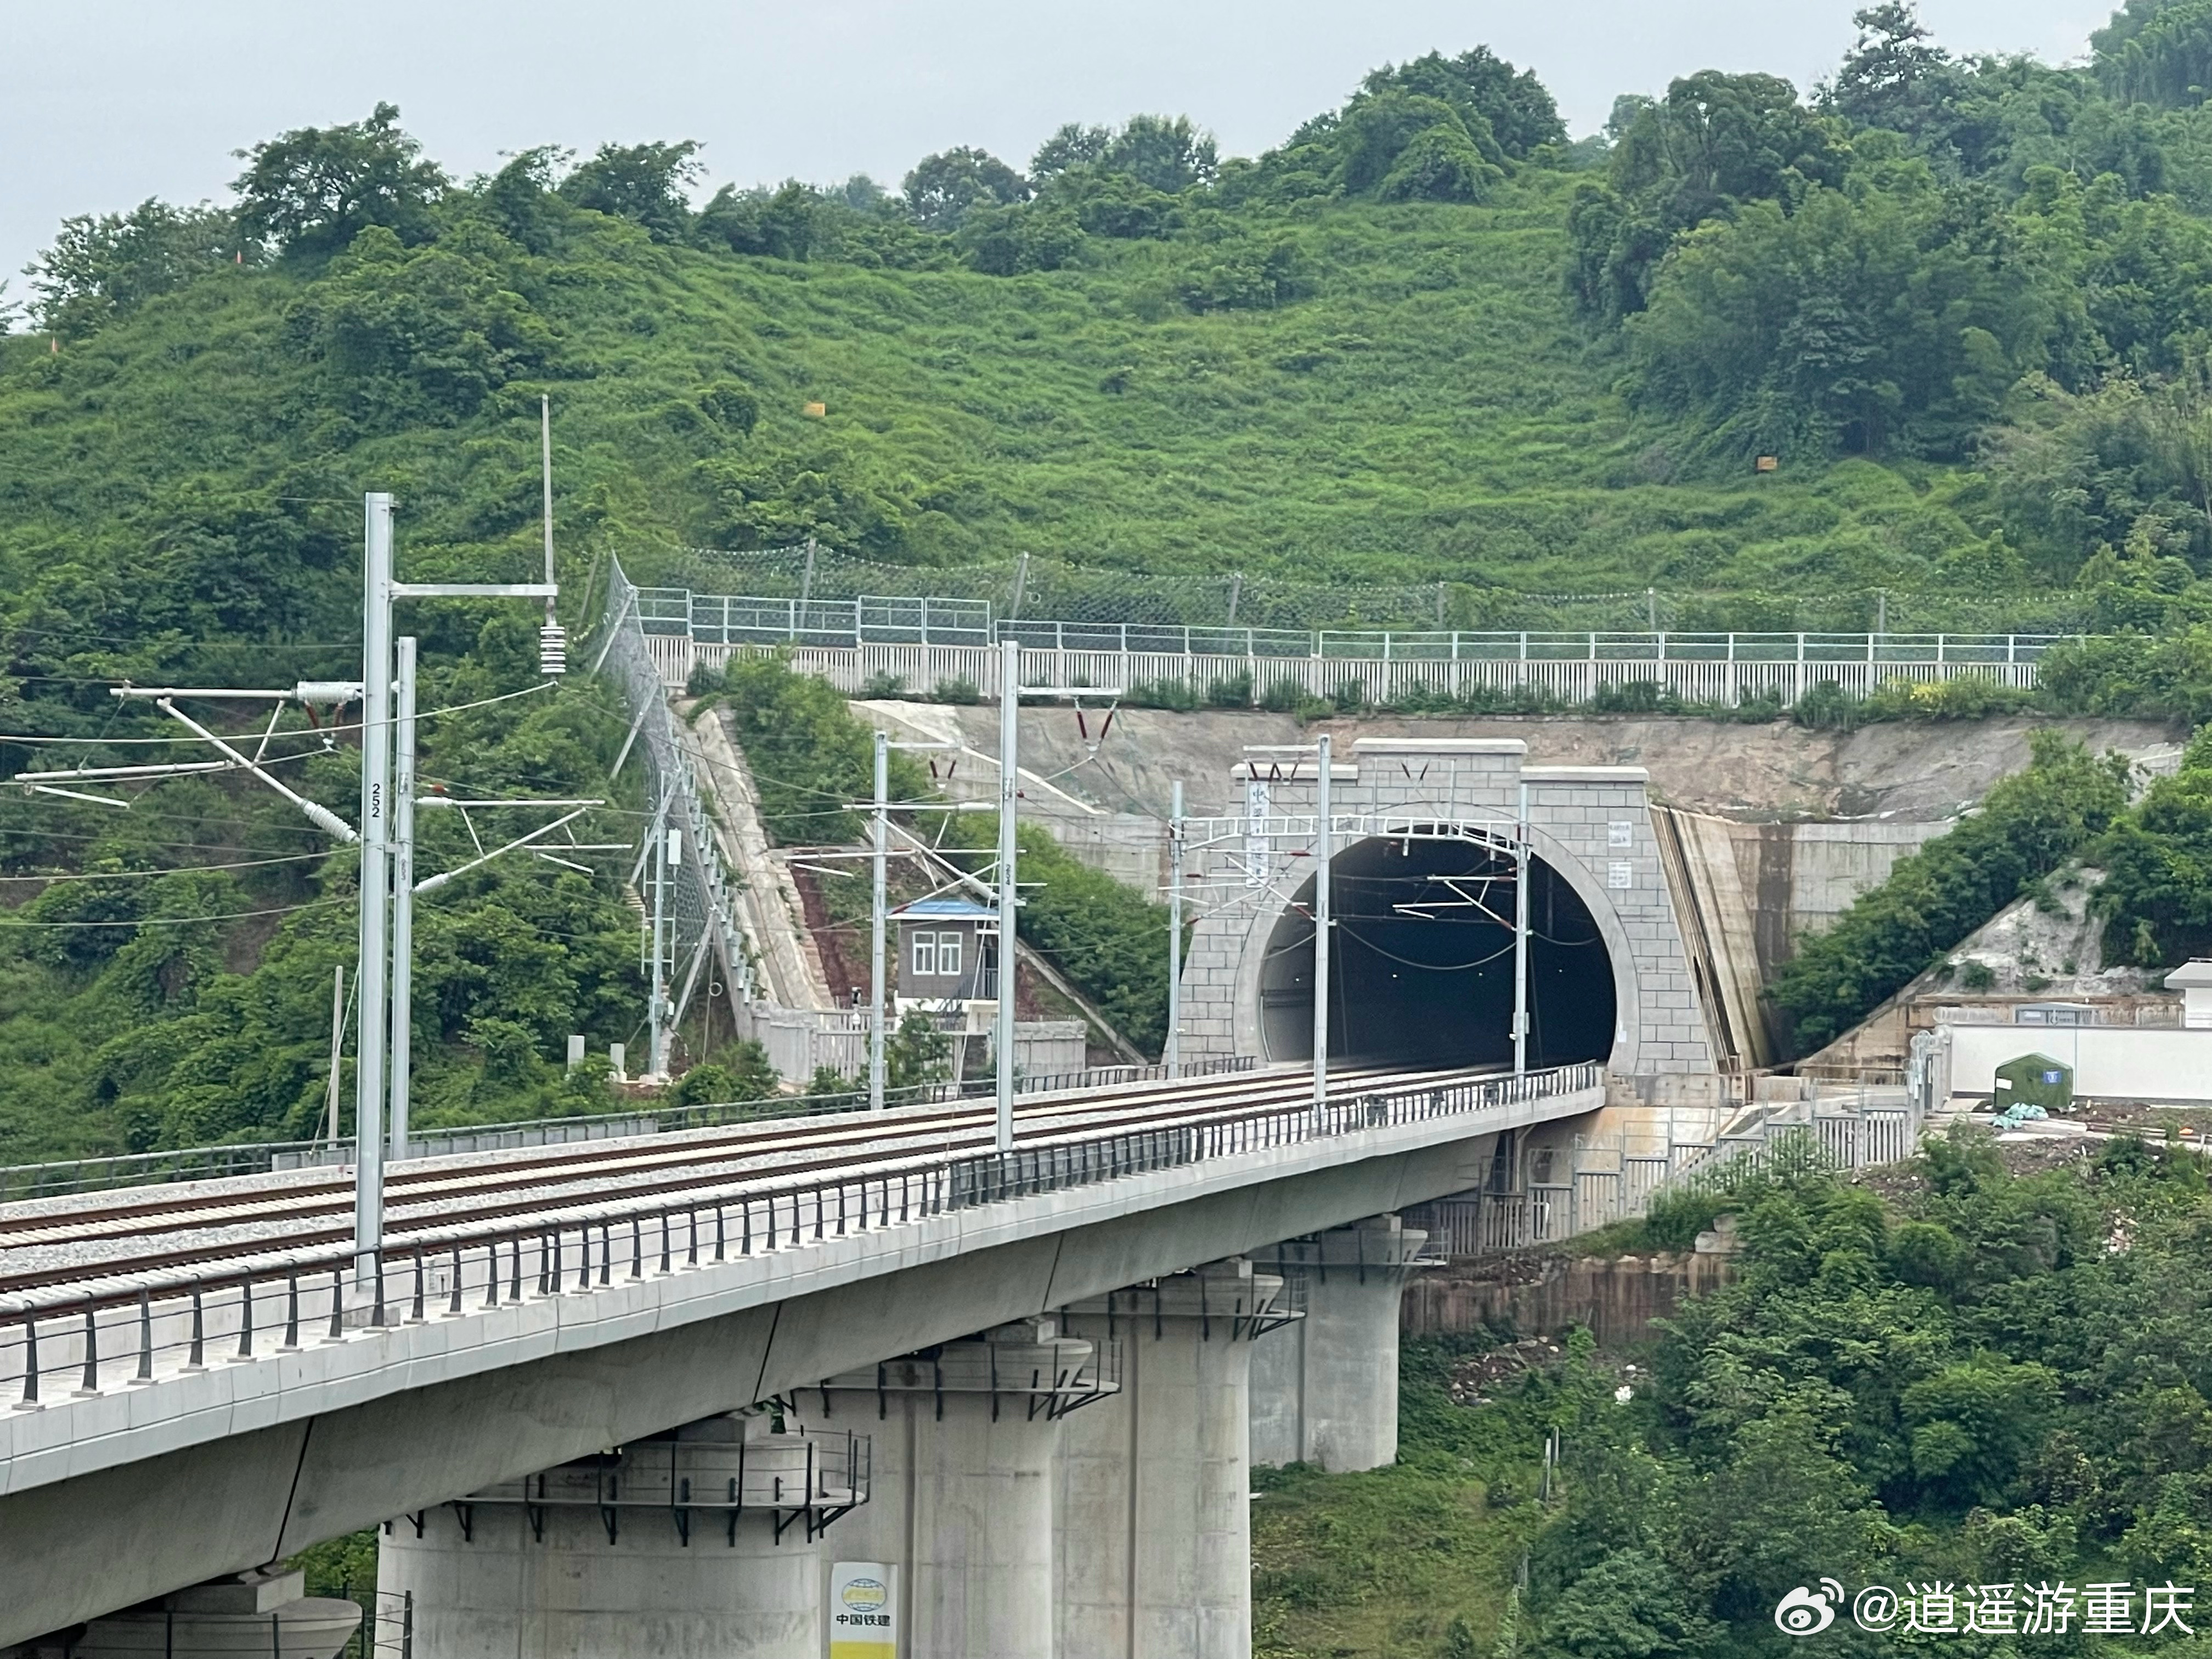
{"x":724,"y":619}
{"x":74,"y":1326}
{"x":1607,"y":1181}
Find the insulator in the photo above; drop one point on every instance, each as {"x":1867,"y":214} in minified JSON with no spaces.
{"x":552,"y":651}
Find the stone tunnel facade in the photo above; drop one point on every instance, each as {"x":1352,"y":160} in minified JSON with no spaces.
{"x":1591,"y":833}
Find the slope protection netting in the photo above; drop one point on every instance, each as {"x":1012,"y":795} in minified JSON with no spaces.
{"x":1052,"y":590}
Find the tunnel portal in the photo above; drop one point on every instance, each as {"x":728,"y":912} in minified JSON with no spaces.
{"x":1421,"y":974}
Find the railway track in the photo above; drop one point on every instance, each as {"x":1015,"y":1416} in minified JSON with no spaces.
{"x":51,"y":1243}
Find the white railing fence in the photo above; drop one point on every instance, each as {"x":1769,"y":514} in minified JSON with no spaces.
{"x":1548,"y":1195}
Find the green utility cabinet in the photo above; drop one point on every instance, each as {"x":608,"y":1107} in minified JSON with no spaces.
{"x":2035,"y":1080}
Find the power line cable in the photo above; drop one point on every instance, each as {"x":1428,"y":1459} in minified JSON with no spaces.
{"x":184,"y":921}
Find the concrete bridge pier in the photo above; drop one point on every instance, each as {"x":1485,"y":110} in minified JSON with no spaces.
{"x":701,"y":1543}
{"x":1155,"y":1535}
{"x":1325,"y":1388}
{"x":966,"y":1441}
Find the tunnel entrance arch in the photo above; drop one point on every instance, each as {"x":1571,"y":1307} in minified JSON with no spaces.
{"x":1421,"y":969}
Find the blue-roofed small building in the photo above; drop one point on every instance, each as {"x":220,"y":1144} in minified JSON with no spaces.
{"x":948,"y":952}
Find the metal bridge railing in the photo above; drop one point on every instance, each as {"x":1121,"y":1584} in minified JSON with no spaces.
{"x":726,"y":619}
{"x":70,"y":1327}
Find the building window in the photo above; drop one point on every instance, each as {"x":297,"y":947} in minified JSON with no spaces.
{"x":948,"y":956}
{"x":925,"y":956}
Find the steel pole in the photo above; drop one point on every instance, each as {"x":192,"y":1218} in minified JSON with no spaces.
{"x":337,"y":1046}
{"x":375,"y":884}
{"x":545,"y":476}
{"x":1323,"y":848}
{"x":1010,"y":679}
{"x":657,"y":1016}
{"x":880,"y":832}
{"x":1520,"y":940}
{"x":1171,"y":1055}
{"x":402,"y":892}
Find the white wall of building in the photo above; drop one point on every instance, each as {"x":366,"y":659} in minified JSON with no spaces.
{"x":2110,"y":1062}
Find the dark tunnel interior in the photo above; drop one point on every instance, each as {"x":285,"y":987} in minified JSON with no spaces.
{"x":1421,"y":974}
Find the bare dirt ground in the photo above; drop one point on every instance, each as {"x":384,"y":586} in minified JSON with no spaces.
{"x":1915,"y":770}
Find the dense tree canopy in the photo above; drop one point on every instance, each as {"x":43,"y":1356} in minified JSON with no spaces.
{"x":312,"y":190}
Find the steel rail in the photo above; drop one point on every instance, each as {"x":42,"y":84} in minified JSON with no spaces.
{"x":496,"y":1195}
{"x":176,"y":1205}
{"x":928,"y":1181}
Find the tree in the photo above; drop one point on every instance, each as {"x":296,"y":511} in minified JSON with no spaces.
{"x":2157,"y":51}
{"x":1891,"y":77}
{"x":100,"y":269}
{"x":521,"y":200}
{"x":1073,"y":146}
{"x":778,"y":224}
{"x":313,"y":189}
{"x":944,"y":189}
{"x":1972,"y":1425}
{"x":1008,"y":241}
{"x":1440,"y":165}
{"x":417,"y":333}
{"x":1630,"y":1605}
{"x":1379,"y":127}
{"x":1171,"y":156}
{"x":1714,"y":143}
{"x":1513,"y":105}
{"x":917,"y":1053}
{"x":742,"y":1073}
{"x":642,"y":183}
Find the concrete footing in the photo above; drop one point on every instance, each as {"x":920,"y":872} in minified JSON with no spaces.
{"x":1155,"y":1535}
{"x":1325,"y":1388}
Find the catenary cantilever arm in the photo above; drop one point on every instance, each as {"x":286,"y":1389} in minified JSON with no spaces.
{"x":321,"y":816}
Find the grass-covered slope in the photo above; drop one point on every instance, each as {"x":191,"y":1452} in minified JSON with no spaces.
{"x":1430,"y":409}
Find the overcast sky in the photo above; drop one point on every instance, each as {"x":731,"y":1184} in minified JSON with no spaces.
{"x":110,"y":101}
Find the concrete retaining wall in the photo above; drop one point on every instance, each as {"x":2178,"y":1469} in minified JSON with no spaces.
{"x":1616,"y":1298}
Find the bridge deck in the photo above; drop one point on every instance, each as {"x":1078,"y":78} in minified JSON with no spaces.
{"x":206,"y":1351}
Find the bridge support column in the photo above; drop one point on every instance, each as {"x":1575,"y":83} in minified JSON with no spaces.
{"x":1155,"y":1540}
{"x":1325,"y":1388}
{"x":966,"y":1442}
{"x":266,"y":1612}
{"x":699,"y":1544}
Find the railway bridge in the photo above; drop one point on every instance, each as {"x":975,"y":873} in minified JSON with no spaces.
{"x":761,"y":1387}
{"x":715,"y":1391}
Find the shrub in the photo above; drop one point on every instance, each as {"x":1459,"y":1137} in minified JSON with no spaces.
{"x":1231,"y":691}
{"x":961,"y":690}
{"x":742,"y":1073}
{"x":1178,"y":695}
{"x":807,"y":755}
{"x":1827,"y":706}
{"x":1636,"y":697}
{"x":1970,"y":697}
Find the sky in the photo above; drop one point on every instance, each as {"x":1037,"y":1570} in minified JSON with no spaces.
{"x":110,"y":102}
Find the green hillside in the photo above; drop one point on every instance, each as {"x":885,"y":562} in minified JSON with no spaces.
{"x":1430,"y":408}
{"x":1424,"y":344}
